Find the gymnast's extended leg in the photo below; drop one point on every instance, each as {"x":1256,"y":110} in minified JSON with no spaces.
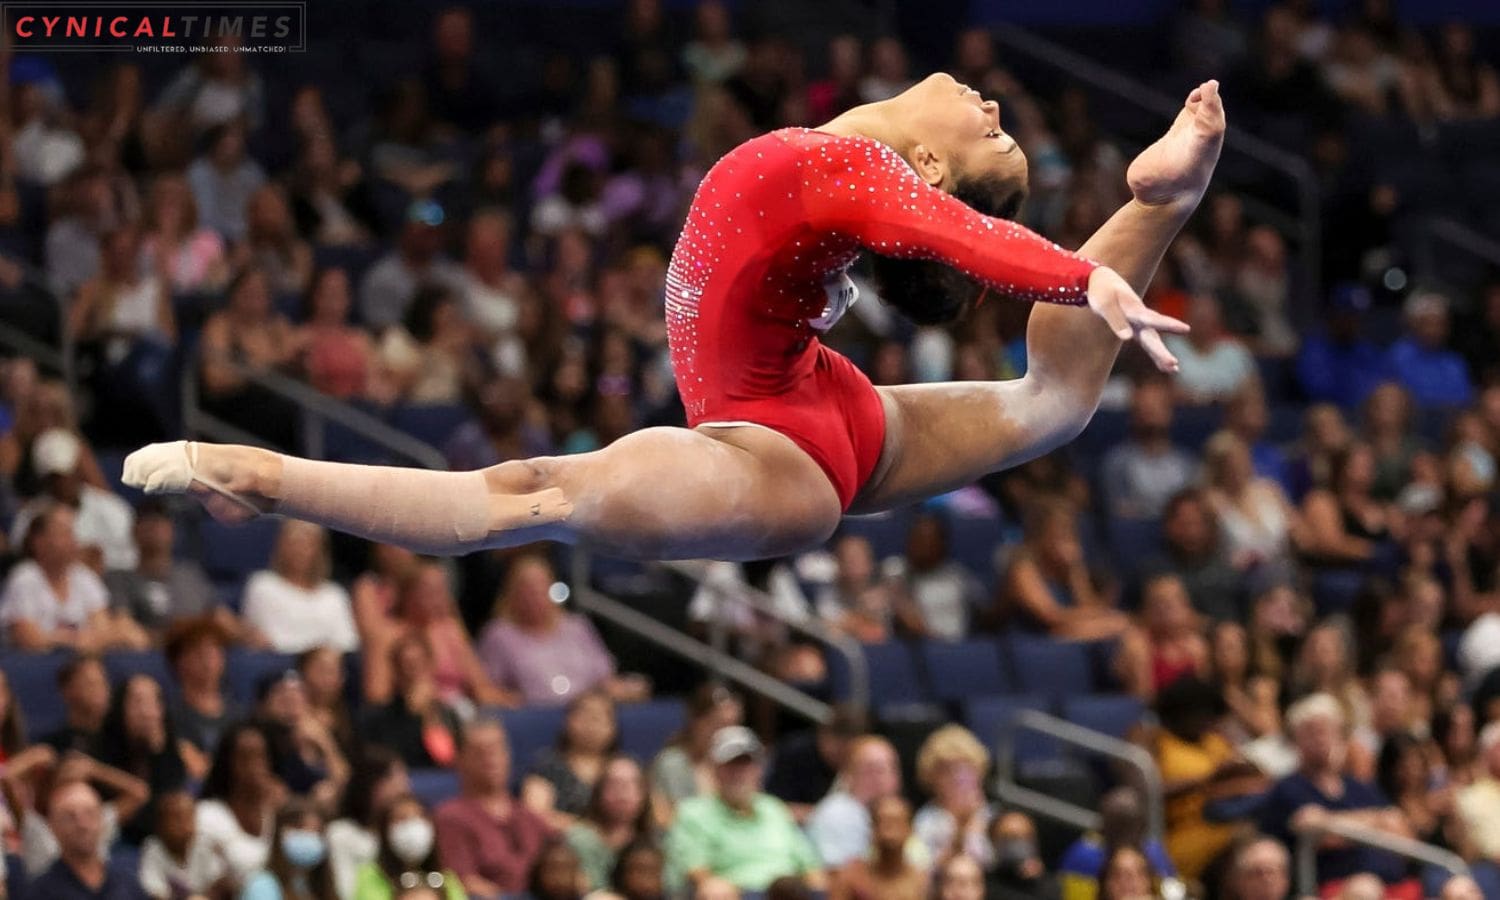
{"x":943,"y":436}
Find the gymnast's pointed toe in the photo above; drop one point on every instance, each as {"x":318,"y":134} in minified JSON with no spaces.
{"x":160,"y":468}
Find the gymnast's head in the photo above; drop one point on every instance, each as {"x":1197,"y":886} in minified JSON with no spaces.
{"x":954,"y":140}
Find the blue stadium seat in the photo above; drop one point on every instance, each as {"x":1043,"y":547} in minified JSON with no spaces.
{"x":123,"y":664}
{"x":1285,"y":424}
{"x":972,"y":542}
{"x":233,"y":552}
{"x":1052,"y":668}
{"x":1335,"y":590}
{"x":1192,"y":426}
{"x":886,"y":531}
{"x":646,"y":727}
{"x":1107,"y":428}
{"x":33,"y":682}
{"x":989,"y":718}
{"x":1134,"y":542}
{"x":434,"y":424}
{"x":531,"y":730}
{"x":893,"y":674}
{"x":245,"y":668}
{"x":1113,"y":714}
{"x":958,"y":671}
{"x":433,"y":786}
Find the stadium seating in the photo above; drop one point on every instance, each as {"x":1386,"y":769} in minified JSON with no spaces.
{"x":964,"y":669}
{"x":646,"y":727}
{"x":1051,"y":668}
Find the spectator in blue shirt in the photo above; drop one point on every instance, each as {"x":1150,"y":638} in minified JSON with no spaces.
{"x":1320,"y":793}
{"x":1339,"y":365}
{"x":1421,"y":360}
{"x":76,"y":817}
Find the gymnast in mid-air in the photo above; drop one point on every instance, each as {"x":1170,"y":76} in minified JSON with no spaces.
{"x":784,"y":435}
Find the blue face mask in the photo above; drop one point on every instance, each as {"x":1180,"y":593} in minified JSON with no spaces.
{"x":303,"y":849}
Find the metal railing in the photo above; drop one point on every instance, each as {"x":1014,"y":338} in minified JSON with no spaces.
{"x":711,"y":655}
{"x":1308,"y":840}
{"x":318,"y":409}
{"x":1095,"y":742}
{"x":1308,"y":216}
{"x":1453,"y":235}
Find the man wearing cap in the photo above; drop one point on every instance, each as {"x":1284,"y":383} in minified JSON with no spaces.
{"x":103,"y":523}
{"x":1421,"y":360}
{"x":1477,"y":802}
{"x":1340,"y":365}
{"x":739,"y":833}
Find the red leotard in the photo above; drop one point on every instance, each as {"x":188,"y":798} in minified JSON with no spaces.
{"x":772,"y":229}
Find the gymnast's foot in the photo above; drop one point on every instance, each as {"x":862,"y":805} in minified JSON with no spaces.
{"x":1176,"y":169}
{"x":234,"y":483}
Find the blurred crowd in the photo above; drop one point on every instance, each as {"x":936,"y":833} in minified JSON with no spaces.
{"x":1286,"y":556}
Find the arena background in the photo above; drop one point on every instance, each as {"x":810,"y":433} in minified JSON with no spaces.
{"x":438,"y":237}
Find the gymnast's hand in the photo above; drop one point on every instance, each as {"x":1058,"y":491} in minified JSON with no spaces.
{"x":1112,"y":300}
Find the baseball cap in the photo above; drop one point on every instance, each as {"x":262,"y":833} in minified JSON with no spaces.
{"x":55,"y":452}
{"x":425,"y":212}
{"x":732,"y":742}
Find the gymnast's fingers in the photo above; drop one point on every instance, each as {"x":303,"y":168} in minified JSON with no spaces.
{"x":1106,"y":292}
{"x":1151,"y":342}
{"x":1146,"y":317}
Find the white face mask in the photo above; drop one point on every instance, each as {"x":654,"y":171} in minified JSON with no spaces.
{"x":411,"y":840}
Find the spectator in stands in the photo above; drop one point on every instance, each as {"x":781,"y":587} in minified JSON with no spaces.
{"x":425,"y":608}
{"x":1123,"y":825}
{"x":489,"y":290}
{"x":271,"y":243}
{"x":1387,"y":429}
{"x":305,"y":755}
{"x":1246,"y":416}
{"x":337,"y":358}
{"x":858,"y":602}
{"x":1404,"y":773}
{"x":1345,"y":524}
{"x":1391,"y":714}
{"x":377,"y":778}
{"x":416,"y":723}
{"x":548,"y":655}
{"x":1142,"y":473}
{"x":1019,"y":871}
{"x":217,"y":88}
{"x":161,"y":589}
{"x":1127,"y":875}
{"x":737,"y":832}
{"x":247,"y":333}
{"x":186,"y":257}
{"x":1458,"y":86}
{"x":329,"y":194}
{"x":941,"y":593}
{"x":1476,"y":803}
{"x":407,"y":855}
{"x":87,"y":208}
{"x":885,"y":871}
{"x":1256,"y":520}
{"x":1260,"y":869}
{"x":238,"y":803}
{"x":52,"y":600}
{"x":684,"y":768}
{"x":1048,"y":587}
{"x":392,"y":283}
{"x":1319,"y":792}
{"x":293,"y":603}
{"x":805,"y":763}
{"x":374,"y":597}
{"x":13,"y":735}
{"x":40,"y":846}
{"x":174,"y":861}
{"x":1214,"y":364}
{"x":951,"y":768}
{"x":1342,"y":365}
{"x":714,"y":55}
{"x":44,"y":143}
{"x":502,"y":430}
{"x":1261,"y":287}
{"x":200,"y":709}
{"x":1195,"y":554}
{"x":223,"y":180}
{"x":556,"y":874}
{"x":486,"y":835}
{"x":101,"y":521}
{"x":1461,"y":887}
{"x":1421,"y":360}
{"x":1168,"y":645}
{"x":1249,"y":696}
{"x":84,"y":687}
{"x":455,"y":81}
{"x":298,"y":863}
{"x":960,"y":877}
{"x":430,"y":357}
{"x":562,"y":779}
{"x":840,"y":826}
{"x":81,"y":871}
{"x":136,"y":738}
{"x":1325,"y":664}
{"x":619,"y":814}
{"x":322,"y":672}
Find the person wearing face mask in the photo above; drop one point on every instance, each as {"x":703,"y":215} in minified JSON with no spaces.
{"x":408,"y":856}
{"x":1018,"y":871}
{"x":298,"y":868}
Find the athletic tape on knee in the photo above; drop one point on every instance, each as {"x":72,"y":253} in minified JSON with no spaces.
{"x":428,"y":512}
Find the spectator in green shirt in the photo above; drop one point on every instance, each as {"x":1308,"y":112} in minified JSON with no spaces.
{"x":739,"y":833}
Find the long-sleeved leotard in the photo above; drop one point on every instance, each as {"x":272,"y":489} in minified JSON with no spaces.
{"x":758,"y":274}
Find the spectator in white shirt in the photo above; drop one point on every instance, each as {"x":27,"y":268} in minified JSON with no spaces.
{"x":175,"y":861}
{"x":840,"y":825}
{"x":52,"y":600}
{"x":103,"y":523}
{"x":1213,"y":364}
{"x":293,"y":603}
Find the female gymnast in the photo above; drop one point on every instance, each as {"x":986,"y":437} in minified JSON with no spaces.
{"x":785,"y":436}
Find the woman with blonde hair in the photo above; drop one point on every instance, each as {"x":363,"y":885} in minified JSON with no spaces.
{"x":535,"y":646}
{"x":185,"y":256}
{"x":293,"y":603}
{"x":1255,"y":517}
{"x":951,"y":766}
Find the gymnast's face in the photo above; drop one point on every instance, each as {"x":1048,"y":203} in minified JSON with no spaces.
{"x":959,"y":136}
